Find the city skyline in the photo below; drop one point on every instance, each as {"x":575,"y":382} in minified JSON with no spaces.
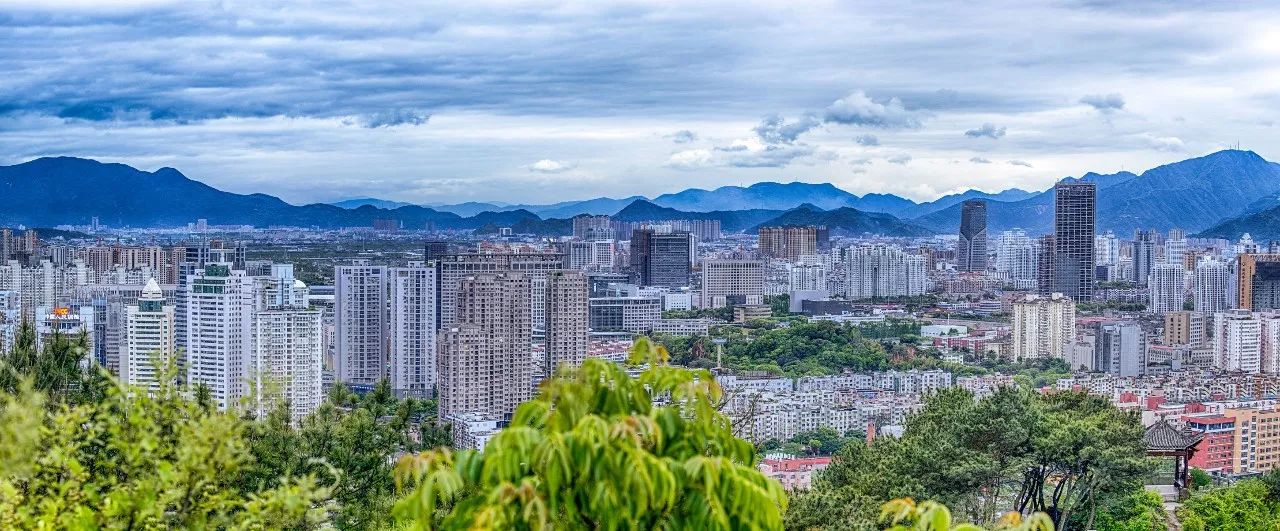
{"x":494,"y":102}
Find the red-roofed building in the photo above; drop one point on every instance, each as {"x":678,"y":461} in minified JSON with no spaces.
{"x":794,"y":474}
{"x":1216,"y":451}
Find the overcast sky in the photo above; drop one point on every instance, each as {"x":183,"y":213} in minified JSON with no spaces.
{"x":437,"y":101}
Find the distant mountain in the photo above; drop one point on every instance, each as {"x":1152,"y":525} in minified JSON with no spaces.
{"x":730,"y":220}
{"x":846,"y":221}
{"x":600,"y":206}
{"x":380,"y":203}
{"x":922,"y":209}
{"x":470,"y":208}
{"x":1193,"y":195}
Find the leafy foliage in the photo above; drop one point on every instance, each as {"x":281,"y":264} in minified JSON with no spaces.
{"x":593,"y":450}
{"x":822,"y":441}
{"x":1059,"y":454}
{"x":1249,"y":504}
{"x":904,"y":514}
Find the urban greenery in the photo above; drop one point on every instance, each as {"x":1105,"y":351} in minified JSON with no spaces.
{"x":1064,"y":454}
{"x":1248,"y":504}
{"x":820,"y":442}
{"x":594,"y":451}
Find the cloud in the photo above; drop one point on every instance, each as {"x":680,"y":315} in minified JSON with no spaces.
{"x":901,"y":158}
{"x":551,"y":166}
{"x":860,"y":162}
{"x":859,"y":109}
{"x":979,"y":160}
{"x":773,"y":129}
{"x":1106,"y":103}
{"x":988,"y":130}
{"x":683,"y":136}
{"x":867,"y":140}
{"x":744,"y":156}
{"x":1167,"y":143}
{"x":1022,"y":163}
{"x":395,"y":117}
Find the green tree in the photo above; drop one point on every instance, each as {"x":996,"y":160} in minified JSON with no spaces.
{"x":593,"y":450}
{"x":1249,"y":504}
{"x":136,"y":461}
{"x":905,"y":514}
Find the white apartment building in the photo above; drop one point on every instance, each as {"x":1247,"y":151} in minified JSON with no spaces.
{"x":1167,"y":286}
{"x":1237,"y":341}
{"x":413,"y":329}
{"x":1211,"y":291}
{"x":360,"y":321}
{"x":1043,"y":327}
{"x":884,"y":271}
{"x":149,"y":338}
{"x":1016,"y":256}
{"x":220,"y":306}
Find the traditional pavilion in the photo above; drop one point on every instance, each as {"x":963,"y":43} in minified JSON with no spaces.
{"x":1163,"y":439}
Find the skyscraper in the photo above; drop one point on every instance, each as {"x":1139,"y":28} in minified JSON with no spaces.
{"x":287,"y":353}
{"x":413,"y":329}
{"x":1016,"y":257}
{"x":1144,"y":255}
{"x":451,"y":269}
{"x":883,"y":271}
{"x":148,"y":338}
{"x":360,"y":310}
{"x":484,"y":358}
{"x":788,"y":242}
{"x":567,"y":311}
{"x":220,"y":306}
{"x":1043,"y":327}
{"x":1074,"y":229}
{"x":971,"y":251}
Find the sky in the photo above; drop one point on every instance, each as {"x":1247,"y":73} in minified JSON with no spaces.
{"x":539,"y":102}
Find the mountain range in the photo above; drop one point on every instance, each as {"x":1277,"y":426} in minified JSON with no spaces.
{"x":1221,"y":194}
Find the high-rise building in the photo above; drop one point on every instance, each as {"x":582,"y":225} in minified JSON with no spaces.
{"x":1211,"y":286}
{"x":360,"y":321}
{"x":788,"y":242}
{"x":1016,"y":257}
{"x":1106,"y":249}
{"x":450,"y":270}
{"x":148,"y":338}
{"x":1144,"y":255}
{"x":1121,"y":349}
{"x":883,"y":271}
{"x":1237,"y":341}
{"x":732,"y":283}
{"x":413,"y":329}
{"x":1259,"y":282}
{"x":590,"y":228}
{"x":287,"y":350}
{"x":485,"y":359}
{"x":1175,"y":246}
{"x":567,"y":328}
{"x":1074,"y":229}
{"x":219,"y":315}
{"x":433,"y":250}
{"x":1044,"y":265}
{"x":807,"y":277}
{"x":1043,"y":327}
{"x":1167,"y":287}
{"x":663,"y":260}
{"x":971,"y":251}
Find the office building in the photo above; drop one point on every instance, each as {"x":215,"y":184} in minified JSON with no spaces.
{"x":1073,"y":236}
{"x":1043,"y":327}
{"x":663,"y":260}
{"x":360,"y":323}
{"x":1259,"y":282}
{"x":567,"y":321}
{"x":732,"y":283}
{"x":971,"y":251}
{"x":149,"y":338}
{"x":412,"y":324}
{"x":623,"y":316}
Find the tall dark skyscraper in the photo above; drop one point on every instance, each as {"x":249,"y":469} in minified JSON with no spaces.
{"x":1044,"y":264}
{"x":663,"y":260}
{"x":1144,"y":255}
{"x":1074,"y":228}
{"x":971,"y":252}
